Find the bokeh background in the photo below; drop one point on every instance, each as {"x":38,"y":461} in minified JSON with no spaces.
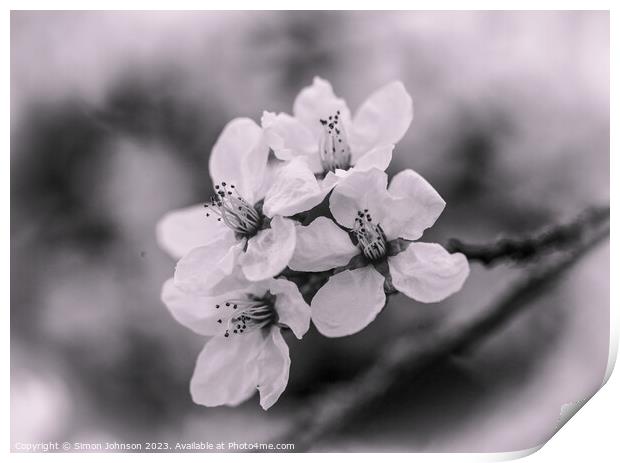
{"x":113,"y":115}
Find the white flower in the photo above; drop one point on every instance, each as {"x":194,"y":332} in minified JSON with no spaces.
{"x":232,"y":231}
{"x":377,"y":216}
{"x":321,"y":143}
{"x":246,"y":350}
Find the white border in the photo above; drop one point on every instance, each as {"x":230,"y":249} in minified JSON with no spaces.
{"x":591,"y":434}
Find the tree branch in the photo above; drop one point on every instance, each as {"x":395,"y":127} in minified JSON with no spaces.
{"x":339,"y":404}
{"x":525,"y":249}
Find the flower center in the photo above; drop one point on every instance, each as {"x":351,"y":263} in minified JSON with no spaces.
{"x":238,"y":215}
{"x":250,"y":313}
{"x":370,"y":237}
{"x":333,"y":146}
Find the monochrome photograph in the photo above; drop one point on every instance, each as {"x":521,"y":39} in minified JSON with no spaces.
{"x":307,"y":231}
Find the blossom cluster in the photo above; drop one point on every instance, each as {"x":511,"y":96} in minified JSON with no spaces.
{"x":301,"y":194}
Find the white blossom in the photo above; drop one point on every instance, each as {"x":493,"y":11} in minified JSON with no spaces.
{"x":383,"y":222}
{"x":246,"y":350}
{"x":322,"y":144}
{"x":232,"y":234}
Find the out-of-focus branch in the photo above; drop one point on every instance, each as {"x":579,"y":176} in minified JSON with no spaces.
{"x":527,"y":248}
{"x":406,"y":355}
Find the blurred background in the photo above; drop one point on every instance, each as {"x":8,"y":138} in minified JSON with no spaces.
{"x":113,"y":116}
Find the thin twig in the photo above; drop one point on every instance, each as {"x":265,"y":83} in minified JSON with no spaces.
{"x":339,"y":404}
{"x":528,"y":248}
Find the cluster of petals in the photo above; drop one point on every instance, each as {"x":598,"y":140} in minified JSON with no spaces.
{"x":233,"y":252}
{"x":385,"y":221}
{"x":321,"y":144}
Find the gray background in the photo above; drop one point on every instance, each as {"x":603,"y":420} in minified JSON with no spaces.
{"x":113,"y":116}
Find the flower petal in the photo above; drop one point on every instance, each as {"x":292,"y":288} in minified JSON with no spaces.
{"x":295,"y":190}
{"x":427,"y":272}
{"x":383,"y":118}
{"x":227,"y":370}
{"x":288,"y":137}
{"x":322,"y":245}
{"x":273,"y":368}
{"x":290,"y":305}
{"x":270,"y":251}
{"x":196,"y":312}
{"x":348,"y":302}
{"x":358,"y":191}
{"x":415,"y":206}
{"x":239,"y":157}
{"x":319,"y":102}
{"x":271,"y":171}
{"x":204,"y":268}
{"x":182,"y":230}
{"x":378,"y":157}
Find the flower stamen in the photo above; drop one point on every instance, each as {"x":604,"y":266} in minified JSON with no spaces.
{"x":370,"y":236}
{"x":248,"y":314}
{"x":238,"y":214}
{"x":333,"y":146}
